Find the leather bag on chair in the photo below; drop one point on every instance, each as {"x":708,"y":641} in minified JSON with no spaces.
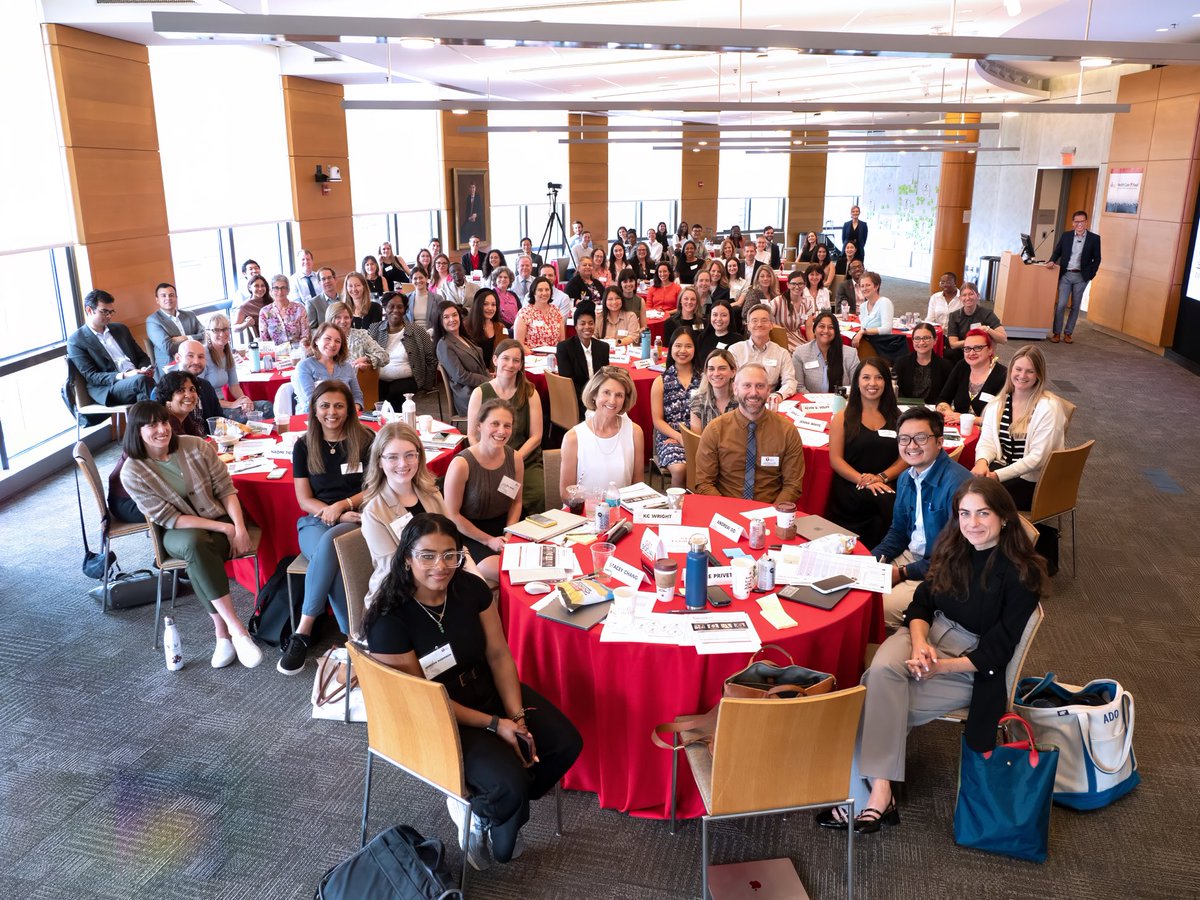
{"x":1093,"y":728}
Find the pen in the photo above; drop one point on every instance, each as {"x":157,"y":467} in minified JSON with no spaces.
{"x":684,"y":612}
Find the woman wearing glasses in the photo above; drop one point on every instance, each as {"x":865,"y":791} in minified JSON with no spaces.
{"x":483,"y":487}
{"x":976,"y":379}
{"x":283,"y":321}
{"x":221,"y":372}
{"x":433,"y":620}
{"x":922,"y":373}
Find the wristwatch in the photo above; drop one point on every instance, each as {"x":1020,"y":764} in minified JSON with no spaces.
{"x":493,"y":725}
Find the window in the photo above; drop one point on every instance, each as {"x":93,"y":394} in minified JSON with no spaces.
{"x":32,"y":321}
{"x":31,"y":410}
{"x":200,"y":272}
{"x":266,"y":244}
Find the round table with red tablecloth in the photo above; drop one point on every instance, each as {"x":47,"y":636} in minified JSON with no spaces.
{"x":615,"y":693}
{"x":263,"y":385}
{"x":271,"y":504}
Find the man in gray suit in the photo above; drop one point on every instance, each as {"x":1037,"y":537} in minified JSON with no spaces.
{"x":116,"y":369}
{"x":170,"y":326}
{"x":317,"y":305}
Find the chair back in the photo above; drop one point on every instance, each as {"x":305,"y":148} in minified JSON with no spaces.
{"x":1057,"y":490}
{"x":285,"y":402}
{"x":368,"y":383}
{"x":1068,"y":409}
{"x":779,"y":336}
{"x":91,"y":474}
{"x":551,"y":468}
{"x":1012,"y":672}
{"x":354,"y":559}
{"x":445,"y":395}
{"x":955,"y":452}
{"x":564,"y":404}
{"x":691,"y":450}
{"x":770,"y":754}
{"x":162,"y":559}
{"x":410,"y":723}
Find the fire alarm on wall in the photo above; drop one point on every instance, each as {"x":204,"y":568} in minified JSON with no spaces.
{"x":699,"y":184}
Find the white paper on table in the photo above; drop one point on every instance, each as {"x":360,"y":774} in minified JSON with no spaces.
{"x":655,"y":314}
{"x":246,"y":449}
{"x":803,"y":566}
{"x":676,"y":537}
{"x":764,"y":512}
{"x":540,"y":556}
{"x":281,"y":452}
{"x":731,"y":631}
{"x":774,"y":612}
{"x":813,"y":438}
{"x":546,"y":349}
{"x":248,"y":466}
{"x":289,"y":438}
{"x":652,"y":628}
{"x":551,"y":597}
{"x":788,"y":406}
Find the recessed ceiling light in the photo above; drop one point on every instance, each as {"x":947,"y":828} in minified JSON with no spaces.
{"x":1010,"y":114}
{"x":417,"y":43}
{"x":910,"y":131}
{"x":926,"y":147}
{"x":797,"y":143}
{"x":695,"y":149}
{"x":459,"y":112}
{"x":1095,"y":62}
{"x":703,"y":143}
{"x":1162,"y":29}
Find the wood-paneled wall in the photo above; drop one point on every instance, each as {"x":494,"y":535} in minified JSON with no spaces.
{"x":463,"y":151}
{"x":1143,"y":257}
{"x":956,"y":190}
{"x":806,"y":191}
{"x":587,"y":184}
{"x":316,"y":135}
{"x":110,"y":139}
{"x":699,"y":181}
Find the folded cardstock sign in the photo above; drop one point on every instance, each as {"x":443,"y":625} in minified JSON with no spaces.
{"x":727,"y":527}
{"x":623,"y":572}
{"x":658,"y":517}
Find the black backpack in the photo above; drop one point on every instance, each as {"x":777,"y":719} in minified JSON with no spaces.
{"x":398,"y":864}
{"x":271,"y":621}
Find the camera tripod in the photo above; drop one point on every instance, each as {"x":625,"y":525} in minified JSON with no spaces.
{"x":548,"y":233}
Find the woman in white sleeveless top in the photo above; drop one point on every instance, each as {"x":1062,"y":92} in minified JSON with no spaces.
{"x":607,"y":447}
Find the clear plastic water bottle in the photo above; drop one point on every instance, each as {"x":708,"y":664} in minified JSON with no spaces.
{"x":658,"y":348}
{"x":172,"y":648}
{"x":612,"y":496}
{"x":408,"y":411}
{"x":845,"y":309}
{"x":552,"y":364}
{"x":695,"y":588}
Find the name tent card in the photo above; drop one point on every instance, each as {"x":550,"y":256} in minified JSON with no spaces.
{"x":623,"y":572}
{"x":658,"y":517}
{"x":720,"y":575}
{"x":727,"y":527}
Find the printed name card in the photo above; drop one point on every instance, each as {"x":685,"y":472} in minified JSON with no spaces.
{"x":643,"y":363}
{"x":658,"y":517}
{"x":650,"y":544}
{"x":623,"y":572}
{"x":720,"y":575}
{"x":810,"y":424}
{"x":727,"y":527}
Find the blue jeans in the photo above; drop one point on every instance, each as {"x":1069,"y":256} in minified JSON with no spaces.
{"x":323,"y":581}
{"x":1070,"y":287}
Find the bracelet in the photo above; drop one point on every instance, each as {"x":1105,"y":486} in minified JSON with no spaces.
{"x":519,"y":715}
{"x":350,"y":503}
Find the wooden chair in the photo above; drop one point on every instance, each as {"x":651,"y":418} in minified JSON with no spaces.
{"x":368,"y":383}
{"x":1057,"y":491}
{"x":564,"y":404}
{"x":298,"y":566}
{"x":691,"y":451}
{"x":865,"y":348}
{"x":1012,"y":674}
{"x":411,"y":725}
{"x":1068,"y":409}
{"x":779,"y":336}
{"x":109,"y":526}
{"x":86,"y":406}
{"x":167,"y":563}
{"x":551,"y":468}
{"x":354,"y":559}
{"x":776,"y":756}
{"x":446,"y":396}
{"x":955,"y":452}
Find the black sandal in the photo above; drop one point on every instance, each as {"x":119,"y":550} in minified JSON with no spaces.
{"x":871,"y":820}
{"x":834,"y":817}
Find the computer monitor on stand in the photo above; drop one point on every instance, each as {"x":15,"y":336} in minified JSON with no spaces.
{"x":1027,"y":251}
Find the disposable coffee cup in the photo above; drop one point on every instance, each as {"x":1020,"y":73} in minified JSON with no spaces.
{"x":425,"y":424}
{"x":966,"y":424}
{"x":666,"y":574}
{"x":743,"y":577}
{"x":675,"y":497}
{"x":623,"y":600}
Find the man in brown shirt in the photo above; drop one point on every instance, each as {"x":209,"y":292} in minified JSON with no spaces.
{"x":751,"y":452}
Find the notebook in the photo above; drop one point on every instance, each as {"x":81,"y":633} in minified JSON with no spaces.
{"x":802,"y":593}
{"x":564,"y":522}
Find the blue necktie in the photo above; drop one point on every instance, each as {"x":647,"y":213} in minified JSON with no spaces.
{"x":312,"y":288}
{"x":751,"y":453}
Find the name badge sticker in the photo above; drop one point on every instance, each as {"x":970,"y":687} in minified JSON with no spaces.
{"x":397,"y":525}
{"x":354,"y":468}
{"x":771,"y":363}
{"x":770,"y":462}
{"x":509,"y":487}
{"x":727,"y":527}
{"x":811,"y":364}
{"x":887,"y":433}
{"x":437,"y":661}
{"x":986,"y":397}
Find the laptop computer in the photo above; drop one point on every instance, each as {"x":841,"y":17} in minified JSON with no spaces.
{"x":760,"y":879}
{"x":813,"y":527}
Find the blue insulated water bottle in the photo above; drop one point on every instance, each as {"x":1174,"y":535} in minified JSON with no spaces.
{"x":695,"y":590}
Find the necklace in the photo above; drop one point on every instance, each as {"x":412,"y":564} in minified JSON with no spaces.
{"x":437,"y":620}
{"x":332,"y":445}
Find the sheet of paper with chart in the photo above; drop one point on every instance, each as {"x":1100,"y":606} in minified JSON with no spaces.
{"x":646,"y":628}
{"x":796,"y":566}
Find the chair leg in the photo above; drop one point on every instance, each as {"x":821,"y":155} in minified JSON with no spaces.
{"x":704,"y":858}
{"x":1074,"y":545}
{"x":558,"y":809}
{"x":292,"y":604}
{"x":157,"y":607}
{"x":850,"y":852}
{"x":466,"y":843}
{"x":362,"y":837}
{"x":349,"y":677}
{"x":104,"y":549}
{"x":674,"y":775}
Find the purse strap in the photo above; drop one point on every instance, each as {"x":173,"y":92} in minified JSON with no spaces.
{"x":327,"y":673}
{"x":705,"y":725}
{"x":1043,"y":683}
{"x":1085,"y":728}
{"x":1034,"y":754}
{"x":754,"y":656}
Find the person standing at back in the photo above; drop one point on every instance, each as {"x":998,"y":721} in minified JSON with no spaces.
{"x":1080,"y":249}
{"x":855,"y":231}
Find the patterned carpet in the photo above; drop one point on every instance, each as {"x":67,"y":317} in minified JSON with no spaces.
{"x":119,"y":779}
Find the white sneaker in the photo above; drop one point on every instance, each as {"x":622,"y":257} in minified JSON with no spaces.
{"x":247,"y":651}
{"x":479,"y":855}
{"x":224,"y":654}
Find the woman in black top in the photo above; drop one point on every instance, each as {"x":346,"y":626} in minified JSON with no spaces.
{"x":960,"y":632}
{"x":922,"y":374}
{"x":393,"y":267}
{"x":494,"y":260}
{"x":687,"y":315}
{"x":642,"y":264}
{"x":328,"y":465}
{"x":689,"y":264}
{"x":974,"y":381}
{"x":431,"y":619}
{"x":377,"y":282}
{"x":720,"y":334}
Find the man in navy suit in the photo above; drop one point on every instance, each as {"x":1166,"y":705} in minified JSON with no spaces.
{"x":116,"y":369}
{"x":1080,"y":252}
{"x":582,"y":356}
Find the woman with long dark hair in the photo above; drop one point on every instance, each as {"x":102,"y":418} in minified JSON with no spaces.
{"x":461,"y":361}
{"x":433,"y":620}
{"x":670,"y":404}
{"x":959,"y":634}
{"x":824,"y":364}
{"x":865,"y":460}
{"x":485,"y":326}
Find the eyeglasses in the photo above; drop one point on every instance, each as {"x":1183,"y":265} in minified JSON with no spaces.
{"x":922,"y":338}
{"x":974,"y":348}
{"x":452,"y":558}
{"x":106,"y":313}
{"x":219,"y":331}
{"x":276,"y":288}
{"x":393,"y":458}
{"x":919,"y":439}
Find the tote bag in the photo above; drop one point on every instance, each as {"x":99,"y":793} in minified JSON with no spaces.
{"x":1093,"y":728}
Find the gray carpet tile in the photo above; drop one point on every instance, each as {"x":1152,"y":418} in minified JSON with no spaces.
{"x":119,"y":779}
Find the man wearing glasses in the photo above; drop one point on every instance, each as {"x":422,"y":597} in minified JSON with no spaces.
{"x":116,"y":369}
{"x":1081,"y":250}
{"x":924,"y":502}
{"x":970,"y":315}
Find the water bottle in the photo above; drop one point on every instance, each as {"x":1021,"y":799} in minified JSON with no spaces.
{"x":658,"y":348}
{"x":552,"y":364}
{"x":172,"y":649}
{"x":612,"y":496}
{"x":255,"y":357}
{"x":646,"y":343}
{"x":696,"y":581}
{"x":408,"y":411}
{"x":603,"y":518}
{"x":845,"y":309}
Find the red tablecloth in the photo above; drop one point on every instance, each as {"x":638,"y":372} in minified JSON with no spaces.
{"x":264,"y":385}
{"x":616,"y":693}
{"x":643,"y":380}
{"x":271,"y":504}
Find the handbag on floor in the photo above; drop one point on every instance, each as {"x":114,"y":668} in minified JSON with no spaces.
{"x":397,"y":864}
{"x":1093,"y":729}
{"x":759,"y":680}
{"x":329,"y":688}
{"x":1003,"y":803}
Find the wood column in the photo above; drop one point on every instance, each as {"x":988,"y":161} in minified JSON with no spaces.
{"x":110,"y":139}
{"x":464,"y":151}
{"x":955,"y":191}
{"x":587,"y":182}
{"x":806,"y":189}
{"x":699,"y":179}
{"x":316,"y":134}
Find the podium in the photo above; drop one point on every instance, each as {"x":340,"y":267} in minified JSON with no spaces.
{"x":1025,"y":297}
